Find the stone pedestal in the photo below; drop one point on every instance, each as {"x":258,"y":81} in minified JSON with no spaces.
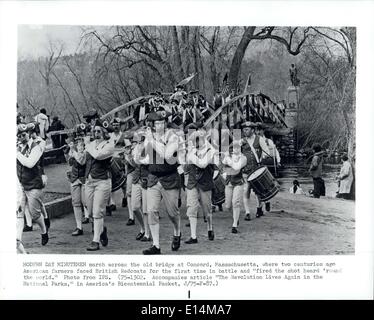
{"x":292,"y":106}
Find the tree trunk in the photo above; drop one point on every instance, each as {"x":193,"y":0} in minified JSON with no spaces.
{"x":212,"y":61}
{"x":185,"y":49}
{"x":352,"y":115}
{"x":177,"y":53}
{"x":238,"y":57}
{"x":202,"y":72}
{"x":195,"y":55}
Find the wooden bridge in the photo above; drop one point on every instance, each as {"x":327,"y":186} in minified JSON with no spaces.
{"x":245,"y":107}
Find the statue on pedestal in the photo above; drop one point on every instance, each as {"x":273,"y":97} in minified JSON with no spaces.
{"x":293,"y":76}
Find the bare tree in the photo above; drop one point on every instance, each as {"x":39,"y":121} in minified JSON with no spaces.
{"x":177,"y":53}
{"x":46,"y":70}
{"x":78,"y":80}
{"x":287,"y":37}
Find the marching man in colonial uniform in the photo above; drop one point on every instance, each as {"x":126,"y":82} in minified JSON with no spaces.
{"x":233,"y":165}
{"x":133,"y":189}
{"x":76,"y":158}
{"x":29,"y":172}
{"x":129,"y":168}
{"x":33,"y":129}
{"x":200,"y":169}
{"x":161,"y":146}
{"x":99,"y":154}
{"x":252,"y":148}
{"x":35,"y":135}
{"x":139,"y":190}
{"x":272,"y":160}
{"x":117,"y":139}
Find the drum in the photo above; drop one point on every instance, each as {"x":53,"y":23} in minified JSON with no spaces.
{"x":218,"y":192}
{"x":118,"y":176}
{"x":263,"y":183}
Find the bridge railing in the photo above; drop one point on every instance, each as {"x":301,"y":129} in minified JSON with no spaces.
{"x":248,"y":107}
{"x":244,"y":107}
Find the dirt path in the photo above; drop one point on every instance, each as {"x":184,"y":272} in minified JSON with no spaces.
{"x":296,"y":225}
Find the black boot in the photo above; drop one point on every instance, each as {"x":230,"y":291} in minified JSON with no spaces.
{"x":211,"y":235}
{"x":94,"y":246}
{"x":176,"y":242}
{"x":26,"y":228}
{"x":152,"y":250}
{"x":108,"y":211}
{"x":104,"y":237}
{"x":45,"y":238}
{"x":85,"y":221}
{"x":47,"y":223}
{"x":259,"y":213}
{"x":267,"y":206}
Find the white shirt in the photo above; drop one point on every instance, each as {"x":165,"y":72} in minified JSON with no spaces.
{"x":273,"y":152}
{"x":31,"y":157}
{"x":142,"y":113}
{"x":43,"y":121}
{"x":102,"y":150}
{"x":79,"y":156}
{"x":114,"y":137}
{"x":202,"y":156}
{"x":42,"y":143}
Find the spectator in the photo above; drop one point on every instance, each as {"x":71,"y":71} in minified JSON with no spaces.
{"x":345,"y":179}
{"x":20,"y":118}
{"x":296,"y":189}
{"x":57,"y":140}
{"x":218,"y":99}
{"x":42,"y":120}
{"x":141,"y":111}
{"x":316,"y":172}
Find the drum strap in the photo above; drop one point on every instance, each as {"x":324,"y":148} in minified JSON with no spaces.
{"x":254,"y":153}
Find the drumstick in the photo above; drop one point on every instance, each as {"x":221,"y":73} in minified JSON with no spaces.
{"x":275,"y":166}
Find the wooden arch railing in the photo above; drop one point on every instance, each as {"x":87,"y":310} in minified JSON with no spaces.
{"x":250,"y":107}
{"x":244,"y":107}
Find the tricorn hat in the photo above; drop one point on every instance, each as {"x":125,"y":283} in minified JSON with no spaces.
{"x":81,"y":128}
{"x":260,"y":125}
{"x":103,"y":124}
{"x":92,"y":114}
{"x":248,"y":124}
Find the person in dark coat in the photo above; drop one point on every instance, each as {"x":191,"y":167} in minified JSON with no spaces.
{"x":141,"y":111}
{"x":57,"y":140}
{"x":316,"y":171}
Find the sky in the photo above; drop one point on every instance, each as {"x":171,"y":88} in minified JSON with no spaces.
{"x":34,"y":40}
